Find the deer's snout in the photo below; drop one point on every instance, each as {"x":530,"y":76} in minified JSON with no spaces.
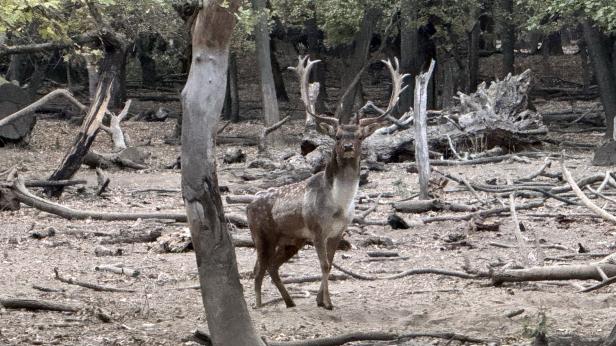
{"x":348,"y":147}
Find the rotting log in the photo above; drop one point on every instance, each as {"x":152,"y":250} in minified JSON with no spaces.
{"x":202,"y":101}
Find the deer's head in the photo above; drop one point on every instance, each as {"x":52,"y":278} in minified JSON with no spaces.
{"x":348,"y":137}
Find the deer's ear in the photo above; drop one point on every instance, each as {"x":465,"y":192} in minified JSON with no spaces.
{"x":327,"y":129}
{"x":367,"y":130}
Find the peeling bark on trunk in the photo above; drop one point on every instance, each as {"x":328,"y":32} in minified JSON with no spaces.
{"x":202,"y":100}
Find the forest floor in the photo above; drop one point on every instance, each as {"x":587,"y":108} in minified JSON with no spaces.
{"x":161,"y":312}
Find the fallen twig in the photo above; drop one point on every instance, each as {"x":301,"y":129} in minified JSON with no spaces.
{"x":408,"y":273}
{"x":583,"y":198}
{"x":92,"y":286}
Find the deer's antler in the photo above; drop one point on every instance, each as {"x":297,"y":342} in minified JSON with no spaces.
{"x":396,"y":79}
{"x":310,"y":91}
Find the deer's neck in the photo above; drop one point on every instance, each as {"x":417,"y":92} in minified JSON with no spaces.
{"x":343,"y":178}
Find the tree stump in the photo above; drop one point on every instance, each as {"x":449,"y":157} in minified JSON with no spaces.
{"x":605,"y":155}
{"x":12,"y":99}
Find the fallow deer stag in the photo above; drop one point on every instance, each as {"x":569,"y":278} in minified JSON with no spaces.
{"x":319,"y":208}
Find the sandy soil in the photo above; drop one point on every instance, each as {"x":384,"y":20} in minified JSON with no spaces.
{"x":161,"y":313}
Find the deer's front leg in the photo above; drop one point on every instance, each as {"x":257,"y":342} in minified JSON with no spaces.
{"x":323,"y":296}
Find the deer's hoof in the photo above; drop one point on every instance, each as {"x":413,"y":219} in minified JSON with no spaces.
{"x":290,"y":304}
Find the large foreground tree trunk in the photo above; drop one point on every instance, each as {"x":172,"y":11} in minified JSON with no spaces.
{"x":599,"y":52}
{"x":271,"y":112}
{"x":202,"y":100}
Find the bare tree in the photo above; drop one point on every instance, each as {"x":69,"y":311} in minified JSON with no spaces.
{"x":202,"y":101}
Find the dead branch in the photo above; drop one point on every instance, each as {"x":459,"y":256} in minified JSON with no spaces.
{"x":526,"y":253}
{"x":421,"y":206}
{"x":407,"y":273}
{"x":484,"y":213}
{"x":45,"y":183}
{"x":262,"y":143}
{"x":583,"y":198}
{"x":240,"y":199}
{"x":564,"y":272}
{"x":26,"y":197}
{"x":118,"y":270}
{"x":114,"y":129}
{"x":375,"y":336}
{"x":40,"y":102}
{"x":36,"y":304}
{"x":547,"y":164}
{"x":313,"y":278}
{"x":92,"y":286}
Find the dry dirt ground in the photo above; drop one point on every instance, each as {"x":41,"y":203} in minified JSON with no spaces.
{"x":160,"y":312}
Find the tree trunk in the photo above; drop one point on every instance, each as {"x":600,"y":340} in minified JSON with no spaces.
{"x":473,"y":58}
{"x":18,"y":68}
{"x":281,"y":92}
{"x":356,"y":60}
{"x":114,"y":61}
{"x":507,"y":32}
{"x":87,"y":133}
{"x":599,"y":53}
{"x":202,"y":100}
{"x":552,"y":44}
{"x":271,"y":112}
{"x":92,"y":77}
{"x":148,"y":70}
{"x":409,"y":50}
{"x":584,"y":61}
{"x":314,"y":46}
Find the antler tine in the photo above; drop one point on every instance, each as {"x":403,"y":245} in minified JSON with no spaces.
{"x":397,"y":80}
{"x":303,"y":68}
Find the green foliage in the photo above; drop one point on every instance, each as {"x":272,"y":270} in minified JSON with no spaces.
{"x":602,"y":12}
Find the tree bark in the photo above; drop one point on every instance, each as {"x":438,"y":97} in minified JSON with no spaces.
{"x":281,"y":92}
{"x":314,"y":45}
{"x":87,"y":133}
{"x":409,"y":50}
{"x":202,"y":100}
{"x":271,"y":113}
{"x":507,"y":33}
{"x":356,"y":60}
{"x":473,"y":57}
{"x":604,"y":72}
{"x":552,"y":44}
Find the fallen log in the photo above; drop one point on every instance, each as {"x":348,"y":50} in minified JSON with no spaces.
{"x":422,"y":206}
{"x":36,"y":304}
{"x":24,"y":196}
{"x":564,"y":272}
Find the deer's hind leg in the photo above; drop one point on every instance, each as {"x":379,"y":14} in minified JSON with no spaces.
{"x":260,"y":265}
{"x":283,"y":254}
